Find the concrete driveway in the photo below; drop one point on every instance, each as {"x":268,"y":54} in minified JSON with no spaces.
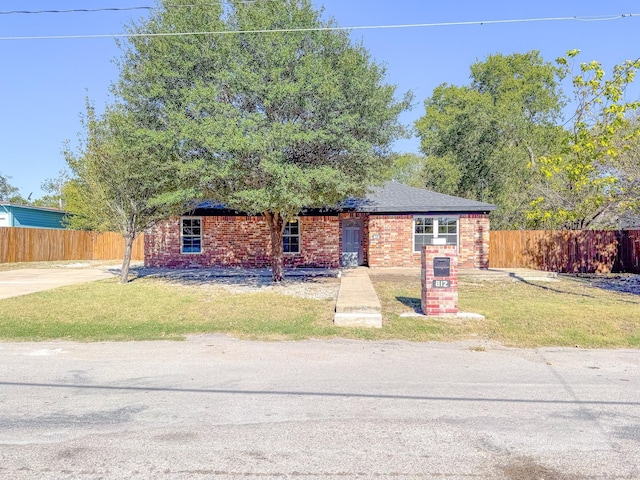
{"x":14,"y":283}
{"x":218,"y":408}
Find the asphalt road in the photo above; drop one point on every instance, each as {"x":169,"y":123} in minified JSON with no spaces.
{"x":214,"y":407}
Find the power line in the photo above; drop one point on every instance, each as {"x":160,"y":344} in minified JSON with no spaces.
{"x":320,"y":29}
{"x":75,"y":10}
{"x":118,"y":9}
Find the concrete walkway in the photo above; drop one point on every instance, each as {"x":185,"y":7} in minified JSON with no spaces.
{"x":14,"y":283}
{"x":357,"y":304}
{"x":474,"y":273}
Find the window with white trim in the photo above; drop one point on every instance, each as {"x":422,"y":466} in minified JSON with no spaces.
{"x":191,"y":235}
{"x":434,"y":231}
{"x":291,"y":237}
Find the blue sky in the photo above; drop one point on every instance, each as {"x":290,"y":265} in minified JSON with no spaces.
{"x":43,"y":83}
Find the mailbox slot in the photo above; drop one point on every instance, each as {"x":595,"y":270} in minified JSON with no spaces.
{"x":442,"y":267}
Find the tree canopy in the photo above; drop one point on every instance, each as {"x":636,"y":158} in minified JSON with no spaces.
{"x":121,"y":173}
{"x":593,"y":178}
{"x":264,"y":120}
{"x":7,"y":191}
{"x":481,"y":139}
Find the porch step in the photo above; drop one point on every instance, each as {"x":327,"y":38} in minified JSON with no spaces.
{"x":357,"y":304}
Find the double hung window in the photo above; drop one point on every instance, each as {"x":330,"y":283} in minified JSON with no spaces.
{"x":191,"y":235}
{"x":434,"y":231}
{"x":291,"y":237}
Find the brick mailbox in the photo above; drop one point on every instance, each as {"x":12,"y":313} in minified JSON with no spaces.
{"x":439,"y":280}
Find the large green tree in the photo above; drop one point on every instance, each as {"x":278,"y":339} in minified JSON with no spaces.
{"x":122,"y":175}
{"x":594,"y":175}
{"x":481,"y":139}
{"x":274,"y":113}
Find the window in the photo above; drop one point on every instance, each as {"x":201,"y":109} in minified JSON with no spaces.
{"x":291,"y":237}
{"x":434,"y":231}
{"x":191,"y":235}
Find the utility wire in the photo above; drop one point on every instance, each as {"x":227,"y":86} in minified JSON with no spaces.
{"x":121,"y":9}
{"x":320,"y":29}
{"x":75,"y":10}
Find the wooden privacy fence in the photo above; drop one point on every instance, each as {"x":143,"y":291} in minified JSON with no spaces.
{"x":43,"y":245}
{"x":566,"y":251}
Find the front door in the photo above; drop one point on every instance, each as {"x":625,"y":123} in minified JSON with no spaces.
{"x":351,"y":243}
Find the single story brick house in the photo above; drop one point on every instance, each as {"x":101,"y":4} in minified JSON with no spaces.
{"x":385,"y":229}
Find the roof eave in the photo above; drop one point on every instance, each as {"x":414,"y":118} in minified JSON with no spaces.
{"x":430,"y":209}
{"x":32,"y":207}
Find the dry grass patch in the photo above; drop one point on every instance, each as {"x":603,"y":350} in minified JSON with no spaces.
{"x":153,"y":309}
{"x":569,"y":312}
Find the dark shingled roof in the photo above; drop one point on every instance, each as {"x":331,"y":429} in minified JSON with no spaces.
{"x":393,"y":197}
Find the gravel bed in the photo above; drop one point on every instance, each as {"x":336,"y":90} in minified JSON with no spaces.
{"x":317,"y":284}
{"x":322,"y":290}
{"x":617,"y":282}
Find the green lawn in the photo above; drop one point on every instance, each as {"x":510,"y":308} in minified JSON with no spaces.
{"x":148,"y":309}
{"x":569,"y":312}
{"x":565,"y":313}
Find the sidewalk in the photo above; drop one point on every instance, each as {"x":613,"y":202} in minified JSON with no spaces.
{"x":474,"y":273}
{"x":357,"y":304}
{"x":14,"y":283}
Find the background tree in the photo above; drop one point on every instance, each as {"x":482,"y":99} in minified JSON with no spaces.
{"x":586,"y":183}
{"x":481,"y":139}
{"x":407,"y":168}
{"x":121,"y":173}
{"x":9,"y":193}
{"x":55,"y":188}
{"x":627,"y":166}
{"x":269,"y":123}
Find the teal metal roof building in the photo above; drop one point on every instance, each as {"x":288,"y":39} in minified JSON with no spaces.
{"x":13,"y":215}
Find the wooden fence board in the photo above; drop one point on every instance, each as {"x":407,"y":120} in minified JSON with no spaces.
{"x":110,"y":245}
{"x":566,"y":251}
{"x":45,"y":245}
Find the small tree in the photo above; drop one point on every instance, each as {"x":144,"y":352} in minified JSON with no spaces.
{"x":121,"y":171}
{"x":270,"y":120}
{"x":581,"y":186}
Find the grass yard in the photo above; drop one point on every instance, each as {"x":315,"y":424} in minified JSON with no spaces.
{"x":150,"y":309}
{"x":571,"y":312}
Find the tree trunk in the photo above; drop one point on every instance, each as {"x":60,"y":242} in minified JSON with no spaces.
{"x":276,"y":228}
{"x":126,"y":261}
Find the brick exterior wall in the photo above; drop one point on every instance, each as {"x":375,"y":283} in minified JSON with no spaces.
{"x":474,"y":241}
{"x":237,"y":241}
{"x":391,"y":241}
{"x":243,"y":241}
